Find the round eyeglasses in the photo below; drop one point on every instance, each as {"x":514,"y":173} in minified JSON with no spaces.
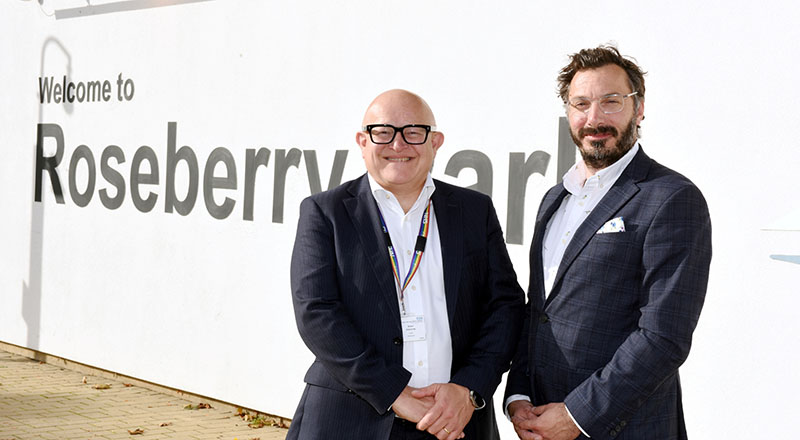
{"x":413,"y":134}
{"x":609,"y":104}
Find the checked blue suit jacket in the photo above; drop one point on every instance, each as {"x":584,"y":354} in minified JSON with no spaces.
{"x":618,"y":322}
{"x":345,"y":303}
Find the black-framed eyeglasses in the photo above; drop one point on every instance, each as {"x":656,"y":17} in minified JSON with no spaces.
{"x":413,"y":134}
{"x":609,"y":104}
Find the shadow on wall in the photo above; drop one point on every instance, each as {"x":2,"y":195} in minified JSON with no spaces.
{"x":32,"y":289}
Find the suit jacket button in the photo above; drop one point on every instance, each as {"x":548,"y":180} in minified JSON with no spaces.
{"x":397,"y":341}
{"x":543,"y":319}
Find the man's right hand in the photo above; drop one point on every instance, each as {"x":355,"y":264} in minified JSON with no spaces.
{"x":522,"y":416}
{"x":411,"y":408}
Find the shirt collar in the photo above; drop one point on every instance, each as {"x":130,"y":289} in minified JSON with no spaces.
{"x":575,"y":179}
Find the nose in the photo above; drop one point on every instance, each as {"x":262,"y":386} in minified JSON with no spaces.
{"x":594,"y":115}
{"x":399,"y":143}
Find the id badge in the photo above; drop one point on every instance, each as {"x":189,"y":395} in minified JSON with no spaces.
{"x":413,"y":328}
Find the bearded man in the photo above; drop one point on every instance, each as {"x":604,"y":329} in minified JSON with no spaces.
{"x":618,"y":273}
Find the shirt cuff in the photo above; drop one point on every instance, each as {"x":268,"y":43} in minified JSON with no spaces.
{"x":574,"y":421}
{"x":514,"y":398}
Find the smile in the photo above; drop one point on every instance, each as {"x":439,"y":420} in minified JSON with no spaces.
{"x":398,"y":159}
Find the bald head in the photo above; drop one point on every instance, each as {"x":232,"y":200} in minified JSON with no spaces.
{"x":401,"y":104}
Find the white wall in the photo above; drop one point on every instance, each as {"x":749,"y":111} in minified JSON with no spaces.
{"x":203,"y":304}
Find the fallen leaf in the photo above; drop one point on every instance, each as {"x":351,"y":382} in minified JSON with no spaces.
{"x":203,"y":406}
{"x":137,"y":431}
{"x":189,"y":406}
{"x":128,"y":385}
{"x":102,"y":386}
{"x":165,"y":424}
{"x":84,"y":380}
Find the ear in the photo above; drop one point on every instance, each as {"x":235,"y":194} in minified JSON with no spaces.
{"x":361,"y":139}
{"x":640,"y":112}
{"x":437,"y":139}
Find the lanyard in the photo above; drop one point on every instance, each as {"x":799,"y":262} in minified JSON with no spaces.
{"x":419,"y":248}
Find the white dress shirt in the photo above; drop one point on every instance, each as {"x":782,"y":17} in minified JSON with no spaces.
{"x":584,"y":195}
{"x":428,"y":360}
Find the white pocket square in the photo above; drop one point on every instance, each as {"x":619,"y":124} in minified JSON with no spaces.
{"x":612,"y":226}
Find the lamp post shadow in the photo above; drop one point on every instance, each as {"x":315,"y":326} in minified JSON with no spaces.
{"x":32,"y":288}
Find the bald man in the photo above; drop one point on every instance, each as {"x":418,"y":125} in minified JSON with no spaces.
{"x":404,"y":291}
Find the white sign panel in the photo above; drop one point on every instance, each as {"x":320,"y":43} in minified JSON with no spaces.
{"x":155,"y":154}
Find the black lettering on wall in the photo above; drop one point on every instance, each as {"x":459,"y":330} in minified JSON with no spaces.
{"x":186,"y":154}
{"x":82,"y":198}
{"x":312,"y":169}
{"x":519,"y":170}
{"x":49,"y":164}
{"x":477,"y":161}
{"x":252,"y":161}
{"x":112,"y":176}
{"x":144,"y":153}
{"x":566,"y":149}
{"x":282,"y":163}
{"x":211,"y":182}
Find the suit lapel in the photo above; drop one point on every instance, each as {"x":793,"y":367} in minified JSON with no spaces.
{"x":624,"y":188}
{"x":448,"y":213}
{"x":547,"y":209}
{"x":363,"y":212}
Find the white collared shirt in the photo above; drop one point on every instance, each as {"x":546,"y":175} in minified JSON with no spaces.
{"x":584,"y":195}
{"x":429,"y":360}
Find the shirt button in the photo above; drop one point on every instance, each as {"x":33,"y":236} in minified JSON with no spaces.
{"x":413,"y":287}
{"x":408,"y":252}
{"x":419,"y":363}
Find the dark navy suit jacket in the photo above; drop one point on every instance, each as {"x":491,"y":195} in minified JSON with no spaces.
{"x":347,"y":310}
{"x":619,"y":319}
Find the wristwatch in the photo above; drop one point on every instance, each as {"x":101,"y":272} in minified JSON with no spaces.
{"x":477,"y":400}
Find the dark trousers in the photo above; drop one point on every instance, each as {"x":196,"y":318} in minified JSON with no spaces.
{"x":404,"y":430}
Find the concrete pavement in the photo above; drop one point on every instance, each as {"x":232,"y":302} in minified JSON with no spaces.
{"x":45,"y":401}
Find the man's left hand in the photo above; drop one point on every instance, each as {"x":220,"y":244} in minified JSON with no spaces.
{"x":554,"y":423}
{"x":450,"y":412}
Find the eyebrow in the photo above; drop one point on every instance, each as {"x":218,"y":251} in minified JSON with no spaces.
{"x":603,"y":96}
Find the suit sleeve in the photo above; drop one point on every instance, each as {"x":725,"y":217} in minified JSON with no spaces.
{"x":676,"y":255}
{"x":494,"y":346}
{"x":519,"y":380}
{"x":324,"y":323}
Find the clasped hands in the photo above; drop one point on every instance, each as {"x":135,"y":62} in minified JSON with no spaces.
{"x":546,"y":422}
{"x":442,"y":409}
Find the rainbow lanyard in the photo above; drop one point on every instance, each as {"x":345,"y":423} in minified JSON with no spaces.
{"x":419,"y":248}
